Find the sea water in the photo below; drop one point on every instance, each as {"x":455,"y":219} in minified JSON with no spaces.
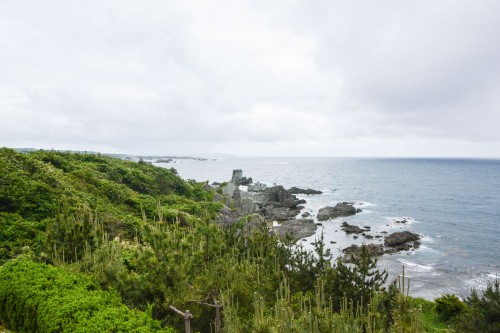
{"x":453,"y":203}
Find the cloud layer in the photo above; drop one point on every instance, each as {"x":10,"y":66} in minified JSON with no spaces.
{"x":293,"y":78}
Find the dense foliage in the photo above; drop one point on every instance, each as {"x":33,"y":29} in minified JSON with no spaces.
{"x":143,"y":233}
{"x":41,"y":298}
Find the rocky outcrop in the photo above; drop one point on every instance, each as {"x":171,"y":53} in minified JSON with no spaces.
{"x":279,"y":213}
{"x":257,"y":187}
{"x":296,"y":190}
{"x":402,"y":241}
{"x":296,"y":228}
{"x":340,"y":209}
{"x":238,"y":178}
{"x":351,"y":229}
{"x":253,"y":223}
{"x":354,"y":251}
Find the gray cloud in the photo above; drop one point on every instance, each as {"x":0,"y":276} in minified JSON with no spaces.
{"x":252,"y":78}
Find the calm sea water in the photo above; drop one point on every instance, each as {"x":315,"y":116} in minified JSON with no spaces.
{"x":453,"y":203}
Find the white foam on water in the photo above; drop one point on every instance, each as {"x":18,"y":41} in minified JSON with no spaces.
{"x":361,"y":204}
{"x":407,"y":220}
{"x":427,"y":239}
{"x":481,"y":280}
{"x":415,"y":267}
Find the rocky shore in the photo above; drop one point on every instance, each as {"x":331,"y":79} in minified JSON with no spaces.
{"x":256,"y":205}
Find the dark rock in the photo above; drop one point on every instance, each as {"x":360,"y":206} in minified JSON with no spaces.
{"x":355,"y":237}
{"x":296,"y":190}
{"x":390,"y":251}
{"x":297,"y":228}
{"x":333,"y":242}
{"x":340,"y":209}
{"x":238,"y":178}
{"x":246,"y":181}
{"x":397,"y":239}
{"x":351,"y":229}
{"x":163,"y":160}
{"x":354,"y":251}
{"x":306,"y":214}
{"x":358,"y":210}
{"x":319,"y":224}
{"x":279,"y":213}
{"x":368,"y":236}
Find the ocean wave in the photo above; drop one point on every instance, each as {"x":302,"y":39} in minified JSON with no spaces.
{"x":480,"y":282}
{"x":402,"y":220}
{"x":361,"y":204}
{"x":427,"y":239}
{"x":416,"y":267}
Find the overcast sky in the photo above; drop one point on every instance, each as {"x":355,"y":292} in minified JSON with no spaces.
{"x":252,"y":78}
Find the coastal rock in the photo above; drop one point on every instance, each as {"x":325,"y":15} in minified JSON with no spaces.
{"x":229,"y":189}
{"x":400,"y":239}
{"x":279,"y":213}
{"x":354,"y":251}
{"x":254,"y":222}
{"x":238,"y":178}
{"x":297,"y":228}
{"x":296,"y":190}
{"x":278,"y":194}
{"x":257,"y":187}
{"x":257,"y":198}
{"x":351,"y":229}
{"x":163,"y":160}
{"x":226,"y":217}
{"x":340,"y":209}
{"x":246,"y":206}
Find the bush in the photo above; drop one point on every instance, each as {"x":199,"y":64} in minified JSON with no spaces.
{"x":449,"y":307}
{"x":483,"y":315}
{"x":41,"y":298}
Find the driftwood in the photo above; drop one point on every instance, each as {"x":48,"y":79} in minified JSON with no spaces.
{"x":186,"y":315}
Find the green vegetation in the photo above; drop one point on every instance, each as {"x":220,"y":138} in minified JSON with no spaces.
{"x":37,"y":297}
{"x":93,"y":243}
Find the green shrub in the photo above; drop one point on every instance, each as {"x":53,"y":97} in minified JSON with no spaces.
{"x":483,"y":315}
{"x":41,"y":298}
{"x":449,"y":307}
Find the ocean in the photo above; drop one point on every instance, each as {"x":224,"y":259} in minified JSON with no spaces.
{"x":453,"y":203}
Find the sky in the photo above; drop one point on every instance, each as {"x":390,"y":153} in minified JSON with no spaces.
{"x":252,"y":78}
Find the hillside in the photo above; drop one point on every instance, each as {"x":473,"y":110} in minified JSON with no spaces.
{"x":94,"y":232}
